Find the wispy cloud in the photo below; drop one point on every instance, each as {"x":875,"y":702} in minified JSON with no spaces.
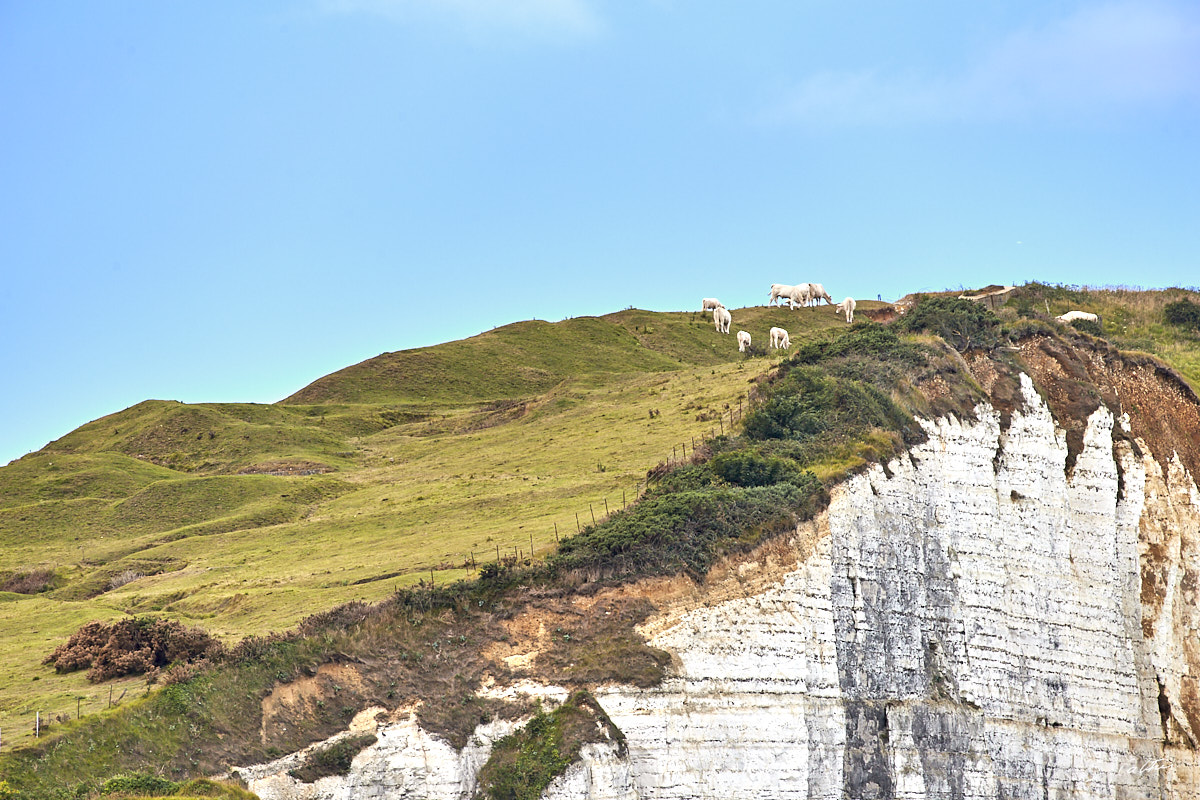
{"x":543,"y":19}
{"x":1104,"y":59}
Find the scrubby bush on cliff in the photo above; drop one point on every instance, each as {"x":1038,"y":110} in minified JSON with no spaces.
{"x":131,"y":647}
{"x":1087,"y":326}
{"x":1183,"y":314}
{"x":808,"y":402}
{"x":963,"y":324}
{"x":751,"y":468}
{"x":333,"y":759}
{"x":523,"y":764}
{"x":688,"y":530}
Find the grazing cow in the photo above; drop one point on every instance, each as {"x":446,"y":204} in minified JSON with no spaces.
{"x":846,"y":307}
{"x":722,"y":318}
{"x":1075,"y":316}
{"x":711,"y":304}
{"x":817,"y":292}
{"x":779,"y":338}
{"x":800,"y":294}
{"x":743,"y":341}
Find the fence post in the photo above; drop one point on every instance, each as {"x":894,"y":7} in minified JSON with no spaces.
{"x":593,"y":513}
{"x":623,"y":499}
{"x":531,"y":545}
{"x":606,"y":506}
{"x":556,"y":533}
{"x":577,"y":528}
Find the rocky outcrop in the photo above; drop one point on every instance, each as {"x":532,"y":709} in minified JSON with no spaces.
{"x":983,"y":617}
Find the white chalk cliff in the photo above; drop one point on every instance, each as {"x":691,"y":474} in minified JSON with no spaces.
{"x":969,"y":621}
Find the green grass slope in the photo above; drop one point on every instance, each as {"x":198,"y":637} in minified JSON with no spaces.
{"x":531,"y":357}
{"x":502,"y":442}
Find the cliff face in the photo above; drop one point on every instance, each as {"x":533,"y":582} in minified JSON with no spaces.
{"x":999,"y":613}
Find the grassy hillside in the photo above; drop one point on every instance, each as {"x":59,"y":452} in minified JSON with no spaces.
{"x":529,"y":358}
{"x":245,"y":518}
{"x":372,"y":479}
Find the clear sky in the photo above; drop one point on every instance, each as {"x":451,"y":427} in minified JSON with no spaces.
{"x":223,"y":201}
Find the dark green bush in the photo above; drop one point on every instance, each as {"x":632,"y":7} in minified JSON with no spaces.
{"x":138,"y":783}
{"x":685,"y":478}
{"x":1087,"y":326}
{"x":862,"y":342}
{"x":963,"y":324}
{"x":808,"y":402}
{"x":750,"y":468}
{"x":1184,"y":314}
{"x":687,"y":531}
{"x":524,"y":763}
{"x":536,"y":758}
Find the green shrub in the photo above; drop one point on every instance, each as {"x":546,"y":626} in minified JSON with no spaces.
{"x":808,"y":402}
{"x":1087,"y":326}
{"x":536,"y":758}
{"x":138,"y":783}
{"x":687,"y":531}
{"x":523,"y":764}
{"x":750,"y":468}
{"x":686,"y":478}
{"x":963,"y":324}
{"x":335,"y":759}
{"x":862,"y":342}
{"x":1183,"y":314}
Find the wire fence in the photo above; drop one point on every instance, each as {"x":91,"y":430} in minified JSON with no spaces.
{"x":601,"y":509}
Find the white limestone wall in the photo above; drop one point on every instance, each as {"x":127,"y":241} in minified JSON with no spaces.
{"x":970,"y":628}
{"x":755,"y":710}
{"x":405,"y":762}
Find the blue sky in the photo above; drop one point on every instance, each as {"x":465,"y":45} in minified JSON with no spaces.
{"x":223,"y":201}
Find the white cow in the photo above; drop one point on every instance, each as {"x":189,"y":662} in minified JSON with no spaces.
{"x":800,"y":294}
{"x":722,"y":318}
{"x":778,"y":290}
{"x":779,"y":338}
{"x":846,"y":307}
{"x":817,"y":292}
{"x":1075,"y":316}
{"x":711,"y":304}
{"x":743,"y":341}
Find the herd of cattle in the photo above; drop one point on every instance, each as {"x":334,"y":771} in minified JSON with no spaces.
{"x":805,"y":294}
{"x":802,"y":294}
